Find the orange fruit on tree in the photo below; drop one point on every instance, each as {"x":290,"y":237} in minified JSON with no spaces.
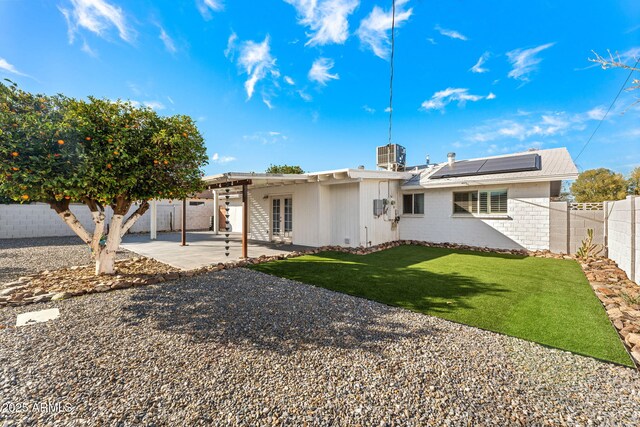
{"x":15,"y":168}
{"x":166,"y":162}
{"x":184,"y":134}
{"x":15,"y":154}
{"x":88,"y":138}
{"x":67,"y":197}
{"x":155,"y":162}
{"x":109,"y":140}
{"x":61,"y":142}
{"x":116,"y":153}
{"x":25,"y":197}
{"x":108,"y":165}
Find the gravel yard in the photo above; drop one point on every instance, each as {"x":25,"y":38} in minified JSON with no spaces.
{"x":242,"y":347}
{"x":24,"y":256}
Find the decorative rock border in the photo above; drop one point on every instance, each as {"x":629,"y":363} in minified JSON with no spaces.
{"x":619,"y":295}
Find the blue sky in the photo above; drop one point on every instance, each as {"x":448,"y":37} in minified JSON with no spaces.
{"x":307,"y":82}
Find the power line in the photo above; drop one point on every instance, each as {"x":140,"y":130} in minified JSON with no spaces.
{"x":393,"y":26}
{"x":609,"y":109}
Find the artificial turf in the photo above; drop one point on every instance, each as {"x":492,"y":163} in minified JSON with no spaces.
{"x":548,"y":301}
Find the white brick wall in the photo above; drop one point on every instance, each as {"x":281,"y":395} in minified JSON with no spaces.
{"x":39,"y":220}
{"x":527,"y":225}
{"x":619,"y":234}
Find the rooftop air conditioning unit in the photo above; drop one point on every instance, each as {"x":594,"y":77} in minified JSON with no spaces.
{"x":392,"y":157}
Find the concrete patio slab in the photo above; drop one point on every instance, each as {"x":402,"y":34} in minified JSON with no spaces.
{"x":203,"y":248}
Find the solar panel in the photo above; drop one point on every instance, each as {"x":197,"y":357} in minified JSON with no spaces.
{"x":525,"y":162}
{"x":461,"y":168}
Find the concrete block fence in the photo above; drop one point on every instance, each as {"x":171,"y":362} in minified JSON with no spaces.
{"x":39,"y":220}
{"x":623,"y":239}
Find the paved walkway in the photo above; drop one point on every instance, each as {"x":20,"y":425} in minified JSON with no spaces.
{"x":203,"y":248}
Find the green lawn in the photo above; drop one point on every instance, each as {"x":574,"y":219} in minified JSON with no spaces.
{"x":548,"y":301}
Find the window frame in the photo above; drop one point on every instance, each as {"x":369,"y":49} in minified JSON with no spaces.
{"x":413,"y":204}
{"x":476,"y":207}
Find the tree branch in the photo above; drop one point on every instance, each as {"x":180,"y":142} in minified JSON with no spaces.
{"x":134,"y":217}
{"x":63,"y":211}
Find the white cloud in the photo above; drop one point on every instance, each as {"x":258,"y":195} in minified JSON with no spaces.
{"x":373,"y":30}
{"x":491,"y":96}
{"x":256,"y":60}
{"x":289,"y":80}
{"x":368,"y":109}
{"x":387,"y":110}
{"x":6,"y":66}
{"x":97,"y":16}
{"x":319,"y":71}
{"x":478,"y":67}
{"x":267,"y":102}
{"x":327,"y":19}
{"x":441,"y":99}
{"x":205,"y":7}
{"x":450,"y":33}
{"x":533,"y":125}
{"x":305,"y":96}
{"x":432,"y":41}
{"x":596,"y":113}
{"x":170,"y":100}
{"x":167,"y":40}
{"x":156,"y":105}
{"x":270,"y":137}
{"x":231,"y":45}
{"x":525,"y":61}
{"x":87,"y":49}
{"x":216,"y":158}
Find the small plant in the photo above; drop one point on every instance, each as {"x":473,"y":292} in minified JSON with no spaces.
{"x":629,"y":299}
{"x":588,"y":249}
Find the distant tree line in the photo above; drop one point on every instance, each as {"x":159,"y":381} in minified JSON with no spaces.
{"x":598,"y":185}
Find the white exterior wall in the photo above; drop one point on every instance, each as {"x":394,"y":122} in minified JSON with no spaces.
{"x":345,"y":214}
{"x":39,"y":220}
{"x":305,"y":199}
{"x":379,"y":229}
{"x":619,"y":233}
{"x":527,"y":225}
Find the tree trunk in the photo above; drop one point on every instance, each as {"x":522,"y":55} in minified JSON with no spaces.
{"x":98,"y":219}
{"x":106,"y":256}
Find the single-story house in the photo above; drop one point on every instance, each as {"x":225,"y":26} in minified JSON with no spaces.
{"x":499,"y":202}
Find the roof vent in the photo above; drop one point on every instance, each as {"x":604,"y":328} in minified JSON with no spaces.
{"x":361,"y":167}
{"x":451,"y":158}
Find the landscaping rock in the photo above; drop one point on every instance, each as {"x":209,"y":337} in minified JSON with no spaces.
{"x":60,"y":296}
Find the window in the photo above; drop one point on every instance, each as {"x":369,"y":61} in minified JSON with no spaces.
{"x":413,"y":204}
{"x":480,"y":202}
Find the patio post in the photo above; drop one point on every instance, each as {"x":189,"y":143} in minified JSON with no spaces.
{"x":245,"y":220}
{"x":216,"y":213}
{"x":153,"y":217}
{"x":184,"y":223}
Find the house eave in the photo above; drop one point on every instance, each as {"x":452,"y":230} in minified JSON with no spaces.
{"x":484,"y":182}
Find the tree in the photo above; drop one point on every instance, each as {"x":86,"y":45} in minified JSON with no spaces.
{"x":101,"y":153}
{"x":598,"y":185}
{"x":284,"y":169}
{"x":634,"y":181}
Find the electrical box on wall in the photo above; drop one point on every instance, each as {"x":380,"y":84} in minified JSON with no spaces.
{"x":378,"y":207}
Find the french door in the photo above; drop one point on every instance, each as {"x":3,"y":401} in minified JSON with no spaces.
{"x":281,"y":219}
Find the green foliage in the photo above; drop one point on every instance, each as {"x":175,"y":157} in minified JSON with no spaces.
{"x":598,"y":185}
{"x":548,"y":301}
{"x":634,"y":181}
{"x":588,"y":249}
{"x":284,"y":169}
{"x":56,"y":149}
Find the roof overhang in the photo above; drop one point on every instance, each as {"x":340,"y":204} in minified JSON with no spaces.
{"x":326,"y":177}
